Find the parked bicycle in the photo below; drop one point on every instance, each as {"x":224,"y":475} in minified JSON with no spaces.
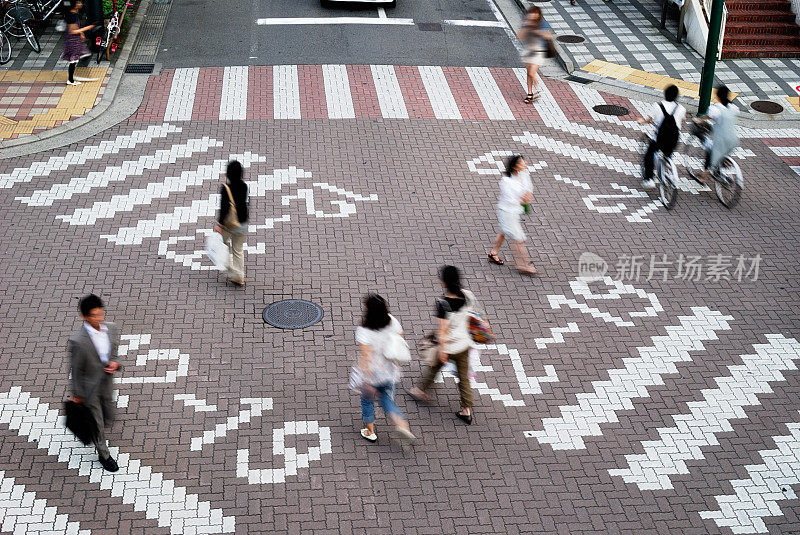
{"x":726,"y":178}
{"x":108,"y":42}
{"x":17,"y":18}
{"x":5,"y":48}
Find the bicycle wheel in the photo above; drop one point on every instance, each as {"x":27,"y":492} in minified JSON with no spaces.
{"x":667,"y":180}
{"x":31,"y":38}
{"x":12,"y":23}
{"x":728,"y":182}
{"x":5,"y":48}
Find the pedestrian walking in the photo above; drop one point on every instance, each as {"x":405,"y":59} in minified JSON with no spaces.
{"x":453,"y":340}
{"x":93,"y":353}
{"x":516,"y":194}
{"x":232,"y":220}
{"x":535,"y":35}
{"x":74,"y":39}
{"x":377,"y":366}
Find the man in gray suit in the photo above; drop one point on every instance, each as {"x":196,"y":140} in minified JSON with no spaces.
{"x":93,"y":352}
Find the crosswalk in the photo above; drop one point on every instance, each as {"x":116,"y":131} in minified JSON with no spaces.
{"x":342,"y":92}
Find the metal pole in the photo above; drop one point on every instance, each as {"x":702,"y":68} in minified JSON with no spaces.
{"x":712,"y":46}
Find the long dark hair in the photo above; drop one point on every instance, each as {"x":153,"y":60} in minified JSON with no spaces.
{"x":724,"y":95}
{"x":511,"y":163}
{"x":234,"y":171}
{"x":376,"y":312}
{"x":450,"y":276}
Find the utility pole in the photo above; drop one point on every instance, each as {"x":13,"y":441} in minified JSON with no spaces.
{"x":712,"y":47}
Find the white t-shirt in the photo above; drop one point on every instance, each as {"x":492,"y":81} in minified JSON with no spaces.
{"x":673,"y":108}
{"x":512,"y":188}
{"x":716,"y":109}
{"x":382,"y":370}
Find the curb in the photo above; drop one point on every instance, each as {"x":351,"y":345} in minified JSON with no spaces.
{"x":109,"y":96}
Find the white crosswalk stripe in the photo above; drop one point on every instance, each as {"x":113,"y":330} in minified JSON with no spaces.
{"x":609,"y":397}
{"x":757,"y":497}
{"x":286,"y":92}
{"x":337,"y":92}
{"x":491,"y":97}
{"x":390,"y":97}
{"x":439,"y":94}
{"x":181,"y":94}
{"x":663,"y":458}
{"x":233,"y":101}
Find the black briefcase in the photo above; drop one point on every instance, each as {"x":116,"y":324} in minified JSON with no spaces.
{"x":80,"y":421}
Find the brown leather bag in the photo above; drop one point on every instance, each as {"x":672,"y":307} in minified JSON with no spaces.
{"x":231,"y":220}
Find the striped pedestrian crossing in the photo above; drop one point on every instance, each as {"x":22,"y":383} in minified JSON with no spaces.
{"x":350,"y":92}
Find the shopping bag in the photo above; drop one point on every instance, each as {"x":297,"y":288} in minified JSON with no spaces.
{"x":217,"y":251}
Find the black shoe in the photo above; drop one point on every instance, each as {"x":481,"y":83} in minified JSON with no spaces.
{"x":465,"y":417}
{"x":109,"y":464}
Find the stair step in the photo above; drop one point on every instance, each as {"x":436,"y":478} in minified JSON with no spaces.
{"x":763,"y":40}
{"x":745,"y":5}
{"x":747,"y":28}
{"x":761,"y":52}
{"x":760,"y":16}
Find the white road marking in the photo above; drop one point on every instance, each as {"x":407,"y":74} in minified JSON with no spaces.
{"x":441,"y":99}
{"x":233,"y":101}
{"x":147,"y":491}
{"x":295,"y":21}
{"x":156,"y":190}
{"x":556,"y":335}
{"x":285,"y":92}
{"x":476,"y":23}
{"x":90,"y":152}
{"x":584,"y":419}
{"x":757,"y":497}
{"x":22,"y":512}
{"x":667,"y":456}
{"x":786,"y":151}
{"x":199,"y":405}
{"x":390,"y":97}
{"x":491,"y":97}
{"x":258,"y":406}
{"x":337,"y":92}
{"x":118,"y":173}
{"x":181,"y":94}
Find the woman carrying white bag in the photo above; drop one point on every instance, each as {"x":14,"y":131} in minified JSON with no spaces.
{"x":382,"y":347}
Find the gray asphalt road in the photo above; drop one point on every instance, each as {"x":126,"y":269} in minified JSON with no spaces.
{"x":208,"y":33}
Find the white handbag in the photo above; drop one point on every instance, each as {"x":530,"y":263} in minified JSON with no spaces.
{"x":396,"y":349}
{"x":217,"y":251}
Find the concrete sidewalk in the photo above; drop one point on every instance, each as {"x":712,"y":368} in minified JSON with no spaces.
{"x":626,"y":47}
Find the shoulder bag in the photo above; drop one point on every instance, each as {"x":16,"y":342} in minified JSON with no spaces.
{"x":231,"y":220}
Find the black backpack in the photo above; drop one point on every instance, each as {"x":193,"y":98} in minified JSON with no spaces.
{"x":668,"y":134}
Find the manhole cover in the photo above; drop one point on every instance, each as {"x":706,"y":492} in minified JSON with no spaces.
{"x":429,"y":26}
{"x":611,"y":109}
{"x":292,"y":314}
{"x":767,"y":106}
{"x":570,"y":39}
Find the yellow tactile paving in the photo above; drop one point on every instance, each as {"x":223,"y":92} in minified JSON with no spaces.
{"x":795,"y":102}
{"x":647,"y":79}
{"x":75,"y":101}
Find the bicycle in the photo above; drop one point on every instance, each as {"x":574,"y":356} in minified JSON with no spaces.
{"x":5,"y":48}
{"x":726,"y":177}
{"x":666,"y":173}
{"x":16,"y":22}
{"x":107,"y":44}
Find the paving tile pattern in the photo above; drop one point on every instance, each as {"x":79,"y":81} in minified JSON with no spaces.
{"x":226,"y":425}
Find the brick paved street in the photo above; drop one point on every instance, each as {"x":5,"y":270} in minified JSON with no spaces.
{"x":664,"y":402}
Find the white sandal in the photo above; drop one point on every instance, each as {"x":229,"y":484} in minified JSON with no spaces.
{"x":371,"y":437}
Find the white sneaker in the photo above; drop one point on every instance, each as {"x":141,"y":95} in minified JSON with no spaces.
{"x":372,"y":437}
{"x":648,"y":184}
{"x":73,"y":83}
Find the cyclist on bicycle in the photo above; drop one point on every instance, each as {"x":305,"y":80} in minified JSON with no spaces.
{"x":717,"y":131}
{"x":667,"y":116}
